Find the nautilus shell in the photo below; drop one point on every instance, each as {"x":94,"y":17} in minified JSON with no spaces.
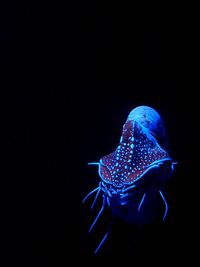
{"x":135,"y":173}
{"x":138,"y":150}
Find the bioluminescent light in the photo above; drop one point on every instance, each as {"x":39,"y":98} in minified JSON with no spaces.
{"x":140,"y":155}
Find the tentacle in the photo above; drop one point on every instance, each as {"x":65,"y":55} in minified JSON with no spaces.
{"x":124,"y":203}
{"x":101,"y":243}
{"x":97,"y":194}
{"x":128,"y":188}
{"x":123,"y":195}
{"x":97,"y":217}
{"x":90,"y":193}
{"x":93,"y":163}
{"x":142,"y":200}
{"x":108,"y":200}
{"x":166,"y":205}
{"x":172,"y":167}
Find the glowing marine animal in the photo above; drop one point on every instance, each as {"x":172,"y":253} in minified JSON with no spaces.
{"x":141,"y":150}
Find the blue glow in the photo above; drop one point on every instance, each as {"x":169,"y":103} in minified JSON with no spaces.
{"x":132,"y":145}
{"x":93,"y":163}
{"x":142,"y":200}
{"x":172,"y":166}
{"x":124,"y":203}
{"x":141,"y":149}
{"x":166,"y":205}
{"x":96,"y":219}
{"x":108,"y":201}
{"x":97,"y":194}
{"x":90,"y":193}
{"x":128,"y":188}
{"x":150,"y":119}
{"x":158,"y":162}
{"x":101,"y":243}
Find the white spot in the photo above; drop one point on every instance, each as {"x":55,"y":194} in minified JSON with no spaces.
{"x":132,"y":145}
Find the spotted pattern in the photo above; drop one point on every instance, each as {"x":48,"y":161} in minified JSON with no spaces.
{"x":132,"y":158}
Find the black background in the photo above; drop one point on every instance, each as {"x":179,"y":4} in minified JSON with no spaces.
{"x":70,"y":76}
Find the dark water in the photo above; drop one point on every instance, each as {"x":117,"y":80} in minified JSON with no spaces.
{"x":70,"y":76}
